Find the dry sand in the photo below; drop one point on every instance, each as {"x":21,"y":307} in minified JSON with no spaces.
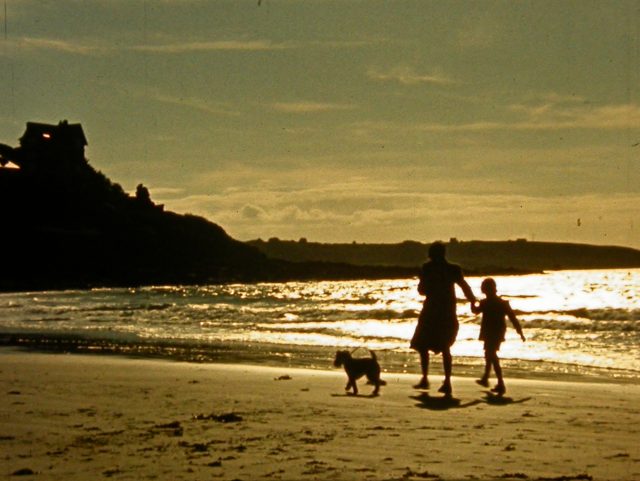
{"x":79,"y":417}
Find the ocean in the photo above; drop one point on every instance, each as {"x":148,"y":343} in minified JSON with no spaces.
{"x":583,"y":324}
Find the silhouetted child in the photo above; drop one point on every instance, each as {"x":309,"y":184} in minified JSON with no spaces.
{"x":493,"y":327}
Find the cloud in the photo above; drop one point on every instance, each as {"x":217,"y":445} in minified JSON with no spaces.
{"x":166,"y":191}
{"x":249,"y":45}
{"x":522,"y":117}
{"x":556,"y":98}
{"x":346,"y":203}
{"x":408,"y":76}
{"x":251,"y":212}
{"x":352,"y":210}
{"x":552,"y":116}
{"x":61,"y":46}
{"x":547,"y":117}
{"x":309,"y":107}
{"x":211,"y":46}
{"x":84,"y":47}
{"x":192,"y":103}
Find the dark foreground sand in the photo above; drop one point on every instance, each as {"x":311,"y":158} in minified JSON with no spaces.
{"x":75,"y":417}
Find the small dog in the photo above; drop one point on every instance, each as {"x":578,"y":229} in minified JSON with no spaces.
{"x":356,"y":368}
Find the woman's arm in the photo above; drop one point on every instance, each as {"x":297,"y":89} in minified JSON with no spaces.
{"x":468,"y":293}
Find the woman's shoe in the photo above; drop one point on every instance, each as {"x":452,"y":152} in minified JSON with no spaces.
{"x":445,"y":388}
{"x":483,"y":381}
{"x":423,"y":384}
{"x":500,"y":389}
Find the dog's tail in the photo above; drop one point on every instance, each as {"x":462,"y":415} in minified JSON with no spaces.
{"x":381,"y":382}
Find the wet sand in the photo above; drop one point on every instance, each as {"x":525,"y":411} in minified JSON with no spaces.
{"x":78,"y":417}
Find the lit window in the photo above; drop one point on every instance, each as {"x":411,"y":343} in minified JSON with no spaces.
{"x":46,"y":135}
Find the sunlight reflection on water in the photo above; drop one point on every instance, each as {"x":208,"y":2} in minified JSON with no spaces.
{"x":588,"y":318}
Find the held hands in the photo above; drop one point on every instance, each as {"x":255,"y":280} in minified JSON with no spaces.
{"x":472,"y":305}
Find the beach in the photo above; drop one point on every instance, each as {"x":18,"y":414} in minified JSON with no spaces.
{"x":78,"y":417}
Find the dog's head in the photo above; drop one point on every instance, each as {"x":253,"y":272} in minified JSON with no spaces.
{"x":341,"y":358}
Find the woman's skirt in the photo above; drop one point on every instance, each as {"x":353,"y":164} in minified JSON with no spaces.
{"x":436,"y":331}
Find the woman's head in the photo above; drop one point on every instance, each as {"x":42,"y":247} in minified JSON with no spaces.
{"x":437,"y":251}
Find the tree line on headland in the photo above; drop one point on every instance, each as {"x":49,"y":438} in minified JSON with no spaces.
{"x":66,"y":225}
{"x":477,"y":257}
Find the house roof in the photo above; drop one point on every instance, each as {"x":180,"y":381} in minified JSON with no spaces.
{"x":37,"y":130}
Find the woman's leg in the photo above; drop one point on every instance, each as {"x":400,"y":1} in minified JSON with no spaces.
{"x":447,"y":364}
{"x":424,"y":365}
{"x":487,"y":366}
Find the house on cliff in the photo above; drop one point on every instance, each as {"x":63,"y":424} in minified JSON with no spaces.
{"x":51,"y":159}
{"x":44,"y":147}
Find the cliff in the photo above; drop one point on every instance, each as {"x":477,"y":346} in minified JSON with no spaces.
{"x":66,"y":225}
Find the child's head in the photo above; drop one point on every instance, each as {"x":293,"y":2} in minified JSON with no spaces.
{"x":488,"y":287}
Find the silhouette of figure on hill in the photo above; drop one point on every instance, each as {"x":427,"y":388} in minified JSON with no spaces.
{"x":437,"y":326}
{"x":142,"y":195}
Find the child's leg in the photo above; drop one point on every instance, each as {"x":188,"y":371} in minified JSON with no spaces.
{"x":497,"y":369}
{"x":487,"y":365}
{"x":495,"y":362}
{"x":484,"y":380}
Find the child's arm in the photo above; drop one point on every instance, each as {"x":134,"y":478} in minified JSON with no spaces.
{"x":514,"y":320}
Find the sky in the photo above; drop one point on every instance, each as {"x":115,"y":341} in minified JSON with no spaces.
{"x":347,"y":120}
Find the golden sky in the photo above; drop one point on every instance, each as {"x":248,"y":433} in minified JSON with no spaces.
{"x":345,"y":120}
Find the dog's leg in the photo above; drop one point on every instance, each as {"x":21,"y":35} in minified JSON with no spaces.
{"x":352,"y":381}
{"x":374,"y":378}
{"x":376,"y":382}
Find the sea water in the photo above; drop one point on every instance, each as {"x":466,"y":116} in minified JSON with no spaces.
{"x":583,"y":323}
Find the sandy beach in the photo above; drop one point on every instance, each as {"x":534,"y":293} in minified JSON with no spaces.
{"x":78,"y":417}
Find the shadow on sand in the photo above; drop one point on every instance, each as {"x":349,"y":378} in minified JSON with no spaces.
{"x":497,"y":400}
{"x":359,"y":396}
{"x":441,"y":403}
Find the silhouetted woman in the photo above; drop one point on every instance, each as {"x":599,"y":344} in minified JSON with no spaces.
{"x":438,"y":322}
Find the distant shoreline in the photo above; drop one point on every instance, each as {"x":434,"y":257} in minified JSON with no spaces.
{"x":343,"y":272}
{"x":273,"y":270}
{"x":476,"y":257}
